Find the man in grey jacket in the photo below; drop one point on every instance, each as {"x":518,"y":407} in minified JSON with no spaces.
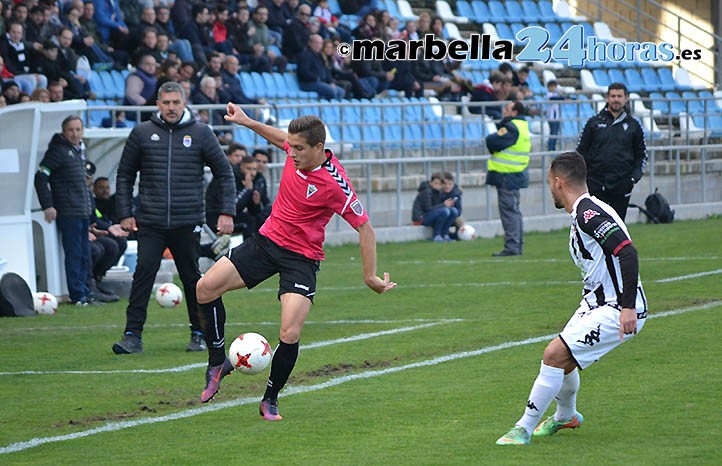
{"x":169,"y":151}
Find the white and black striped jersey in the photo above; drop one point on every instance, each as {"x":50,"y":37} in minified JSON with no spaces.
{"x":597,"y":241}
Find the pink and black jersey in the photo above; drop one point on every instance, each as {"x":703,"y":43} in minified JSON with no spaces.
{"x":305,"y":203}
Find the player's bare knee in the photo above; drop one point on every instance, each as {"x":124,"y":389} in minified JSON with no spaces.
{"x":556,"y":354}
{"x":290,"y":335}
{"x":203,"y":293}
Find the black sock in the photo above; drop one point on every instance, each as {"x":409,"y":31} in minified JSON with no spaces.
{"x":213,"y":321}
{"x":284,"y":360}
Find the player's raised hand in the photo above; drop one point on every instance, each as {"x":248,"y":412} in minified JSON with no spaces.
{"x":235,"y":114}
{"x":381,"y":286}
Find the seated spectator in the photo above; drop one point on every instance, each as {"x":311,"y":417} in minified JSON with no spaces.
{"x":523,"y":91}
{"x":181,"y":47}
{"x":231,"y":82}
{"x":366,"y":28}
{"x":148,"y":45}
{"x":11,"y":93}
{"x":496,"y":89}
{"x":38,"y":28}
{"x":342,"y":73}
{"x":404,"y":78}
{"x":197,"y":32}
{"x":430,"y":73}
{"x":169,"y":71}
{"x":40,"y":95}
{"x":146,"y":20}
{"x":221,"y":40}
{"x":109,"y":20}
{"x":19,"y":58}
{"x":56,"y":91}
{"x":102,"y":52}
{"x":372,"y":75}
{"x":206,"y":94}
{"x":69,"y":59}
{"x":262,"y":38}
{"x":260,"y":185}
{"x":451,"y":190}
{"x":140,"y":85}
{"x":49,"y":64}
{"x":431,"y":210}
{"x":278,"y":15}
{"x":296,"y":34}
{"x":313,"y":75}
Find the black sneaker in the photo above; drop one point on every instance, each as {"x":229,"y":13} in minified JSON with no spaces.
{"x":197,"y":343}
{"x":506,"y":253}
{"x":214,"y":375}
{"x":130,"y":344}
{"x":101,"y":295}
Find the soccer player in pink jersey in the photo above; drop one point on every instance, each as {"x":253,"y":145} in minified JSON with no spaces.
{"x":313,"y":187}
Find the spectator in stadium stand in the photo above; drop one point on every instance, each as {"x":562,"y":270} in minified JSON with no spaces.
{"x":278,"y":15}
{"x":120,"y":58}
{"x":170,"y":205}
{"x":19,"y":58}
{"x":507,"y":171}
{"x":84,"y":43}
{"x":492,"y":91}
{"x":404,"y":78}
{"x":206,"y":94}
{"x":431,"y":209}
{"x":181,"y":13}
{"x":612,"y":143}
{"x":313,"y":75}
{"x":11,"y":92}
{"x":49,"y":65}
{"x":296,"y":35}
{"x":382,"y":25}
{"x":231,"y":83}
{"x":169,"y":71}
{"x":423,"y":24}
{"x":164,"y":25}
{"x":111,"y":27}
{"x":214,"y":192}
{"x":366,"y":28}
{"x":40,"y":95}
{"x":146,"y":20}
{"x":411,"y":30}
{"x":56,"y":91}
{"x":342,"y":73}
{"x":372,"y":74}
{"x":260,"y":184}
{"x":133,"y":10}
{"x":262,"y":38}
{"x":104,"y":200}
{"x":68,"y":58}
{"x":140,"y":85}
{"x":197,"y":32}
{"x":19,"y":14}
{"x":148,"y":45}
{"x":63,"y":194}
{"x":219,"y":31}
{"x":39,"y":30}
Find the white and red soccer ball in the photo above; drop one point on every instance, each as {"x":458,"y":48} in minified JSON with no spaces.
{"x":250,"y":353}
{"x":169,"y":295}
{"x":45,"y":303}
{"x":466,"y":233}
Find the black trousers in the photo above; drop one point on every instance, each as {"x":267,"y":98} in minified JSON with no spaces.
{"x":617,"y":196}
{"x":184,"y":244}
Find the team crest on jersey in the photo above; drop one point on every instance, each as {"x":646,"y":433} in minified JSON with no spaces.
{"x":589,"y":214}
{"x":187,"y":140}
{"x":625,"y":126}
{"x":310,"y":190}
{"x":357,"y":207}
{"x":155,"y":137}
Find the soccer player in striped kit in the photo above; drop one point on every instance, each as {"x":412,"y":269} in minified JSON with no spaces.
{"x":612,"y":310}
{"x":313,"y":187}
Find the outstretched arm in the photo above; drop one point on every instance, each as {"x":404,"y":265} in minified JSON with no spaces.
{"x":275,"y":136}
{"x":367,"y":242}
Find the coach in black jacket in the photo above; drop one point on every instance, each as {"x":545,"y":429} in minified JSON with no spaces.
{"x":613,"y":147}
{"x":169,"y":151}
{"x":65,"y":199}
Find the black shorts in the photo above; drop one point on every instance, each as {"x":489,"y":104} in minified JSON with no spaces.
{"x":259,"y":258}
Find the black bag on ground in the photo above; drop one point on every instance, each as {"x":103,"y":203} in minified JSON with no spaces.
{"x":658,"y":209}
{"x":16,"y":299}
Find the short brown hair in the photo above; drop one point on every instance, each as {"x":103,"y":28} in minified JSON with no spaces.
{"x":309,"y":127}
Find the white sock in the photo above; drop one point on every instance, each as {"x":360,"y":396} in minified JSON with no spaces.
{"x":567,"y":397}
{"x":546,"y":386}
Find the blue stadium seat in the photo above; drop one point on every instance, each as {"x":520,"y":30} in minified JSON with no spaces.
{"x":97,"y":86}
{"x":651,"y":79}
{"x":119,"y":83}
{"x":712,"y":105}
{"x":270,"y":88}
{"x":658,"y":103}
{"x":547,"y":10}
{"x":331,"y":113}
{"x":109,"y":85}
{"x":464,"y":8}
{"x":666,"y":78}
{"x":696,"y":106}
{"x":499,"y":13}
{"x":676,"y":105}
{"x":504,"y":31}
{"x":515,"y":11}
{"x":248,"y":85}
{"x":601,"y":77}
{"x":534,"y":84}
{"x":95,"y":117}
{"x":616,"y":75}
{"x":371,"y":134}
{"x":260,"y":86}
{"x":481,"y":11}
{"x":533,"y":13}
{"x":555,"y":32}
{"x":634,"y":81}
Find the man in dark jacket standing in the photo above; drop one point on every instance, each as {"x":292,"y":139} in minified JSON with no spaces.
{"x":169,"y":151}
{"x":507,"y":170}
{"x":612,"y":144}
{"x":67,"y":202}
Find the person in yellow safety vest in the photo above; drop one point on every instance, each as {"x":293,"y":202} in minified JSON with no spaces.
{"x":507,"y":170}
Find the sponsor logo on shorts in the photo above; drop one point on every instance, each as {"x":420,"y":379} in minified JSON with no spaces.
{"x":591,"y":338}
{"x":303,"y":287}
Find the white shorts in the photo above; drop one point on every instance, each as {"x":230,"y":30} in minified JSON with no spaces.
{"x":592,"y":333}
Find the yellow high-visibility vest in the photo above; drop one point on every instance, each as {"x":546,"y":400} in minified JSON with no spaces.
{"x":515,"y":158}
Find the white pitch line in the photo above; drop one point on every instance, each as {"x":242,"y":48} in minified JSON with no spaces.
{"x":686,"y":277}
{"x":188,"y":367}
{"x":116,"y":426}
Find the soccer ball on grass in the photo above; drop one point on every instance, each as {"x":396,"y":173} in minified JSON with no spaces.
{"x":466,"y":233}
{"x":250,"y":353}
{"x":169,"y":295}
{"x":45,"y":303}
